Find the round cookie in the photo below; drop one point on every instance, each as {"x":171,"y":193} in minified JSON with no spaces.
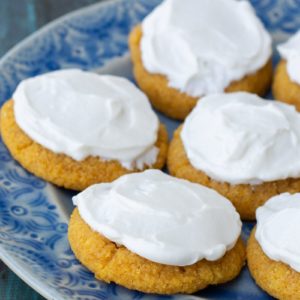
{"x":61,"y":169}
{"x":277,"y":278}
{"x":171,"y":101}
{"x":245,"y":197}
{"x":283,"y":88}
{"x":113,"y":263}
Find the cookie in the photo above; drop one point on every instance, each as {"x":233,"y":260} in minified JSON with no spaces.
{"x":273,"y":248}
{"x":283,"y":88}
{"x":245,"y":197}
{"x":156,"y":233}
{"x":61,"y":169}
{"x":113,"y":263}
{"x":174,"y":73}
{"x":276,"y":278}
{"x":286,"y":84}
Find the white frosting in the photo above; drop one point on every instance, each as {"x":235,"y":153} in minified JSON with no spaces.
{"x":278,"y":228}
{"x":201,"y":46}
{"x":241,"y":138}
{"x":290,"y":51}
{"x":162,"y":218}
{"x":83,"y":114}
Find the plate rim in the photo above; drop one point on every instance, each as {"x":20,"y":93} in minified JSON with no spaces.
{"x":40,"y":287}
{"x":47,"y":293}
{"x":27,"y":279}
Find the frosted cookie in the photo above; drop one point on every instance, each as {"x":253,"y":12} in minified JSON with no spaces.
{"x":155,"y":233}
{"x":240,"y":145}
{"x":185,"y":50}
{"x":76,"y":128}
{"x":273,"y":250}
{"x":286,"y":84}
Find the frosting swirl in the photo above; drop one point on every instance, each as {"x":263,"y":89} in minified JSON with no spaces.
{"x":278,"y":227}
{"x":83,"y":114}
{"x":240,"y":138}
{"x":162,"y":218}
{"x":201,"y":46}
{"x":290,"y":51}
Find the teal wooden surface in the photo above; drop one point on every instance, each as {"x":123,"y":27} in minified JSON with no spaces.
{"x":18,"y":19}
{"x":13,"y":288}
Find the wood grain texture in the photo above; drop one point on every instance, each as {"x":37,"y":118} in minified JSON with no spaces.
{"x":13,"y":288}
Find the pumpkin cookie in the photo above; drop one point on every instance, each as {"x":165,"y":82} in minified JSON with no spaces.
{"x":286,"y":84}
{"x":241,"y":147}
{"x":273,"y":254}
{"x":47,"y":140}
{"x":177,"y":59}
{"x":156,"y":259}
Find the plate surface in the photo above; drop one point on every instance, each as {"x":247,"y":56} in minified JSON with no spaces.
{"x":34,"y":214}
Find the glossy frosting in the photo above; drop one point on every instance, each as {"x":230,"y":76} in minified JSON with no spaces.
{"x":290,"y":51}
{"x":278,"y":227}
{"x":241,"y":138}
{"x":162,"y":218}
{"x":201,"y":46}
{"x":83,"y":114}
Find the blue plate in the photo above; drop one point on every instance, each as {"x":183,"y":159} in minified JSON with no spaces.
{"x":34,"y":214}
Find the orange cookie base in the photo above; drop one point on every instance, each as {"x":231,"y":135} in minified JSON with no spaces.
{"x":113,"y":263}
{"x":61,"y":169}
{"x":276,"y":278}
{"x":172,"y":102}
{"x":283,"y":88}
{"x":245,"y":197}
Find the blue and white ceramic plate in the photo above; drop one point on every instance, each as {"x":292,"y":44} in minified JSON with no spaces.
{"x":33,"y":214}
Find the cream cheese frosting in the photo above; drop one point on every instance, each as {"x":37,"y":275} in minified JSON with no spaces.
{"x":241,"y":139}
{"x":290,"y":51}
{"x":83,"y":114}
{"x":278,"y":227}
{"x":201,"y":46}
{"x":161,"y":218}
